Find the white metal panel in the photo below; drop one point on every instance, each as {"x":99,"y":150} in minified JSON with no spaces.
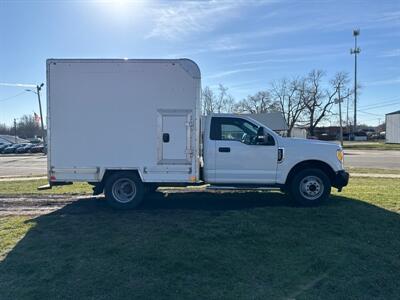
{"x":103,"y":113}
{"x":175,"y":127}
{"x":245,"y":163}
{"x":178,"y":125}
{"x":393,"y":128}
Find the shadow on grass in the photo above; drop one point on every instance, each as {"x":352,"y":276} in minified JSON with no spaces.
{"x":207,"y":245}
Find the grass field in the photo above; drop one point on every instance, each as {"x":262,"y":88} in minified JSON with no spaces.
{"x":371,"y":146}
{"x":372,"y":171}
{"x":248,"y":245}
{"x":30,"y":187}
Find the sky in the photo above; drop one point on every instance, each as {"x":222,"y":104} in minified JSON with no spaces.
{"x":244,"y":45}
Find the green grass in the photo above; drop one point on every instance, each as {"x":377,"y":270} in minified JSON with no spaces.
{"x":248,"y":245}
{"x":371,"y":146}
{"x":30,"y":187}
{"x":372,"y":171}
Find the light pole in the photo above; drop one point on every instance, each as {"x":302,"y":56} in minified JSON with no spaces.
{"x":356,"y":50}
{"x":37,"y":92}
{"x":339,"y":101}
{"x":15,"y":130}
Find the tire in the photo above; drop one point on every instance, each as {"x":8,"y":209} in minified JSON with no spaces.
{"x":124,"y":190}
{"x":310,"y":187}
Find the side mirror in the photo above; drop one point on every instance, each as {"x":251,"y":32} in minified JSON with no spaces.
{"x":264,"y":138}
{"x":260,"y":139}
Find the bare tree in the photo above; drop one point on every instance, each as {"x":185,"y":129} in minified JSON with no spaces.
{"x":261,"y":102}
{"x":216,"y":102}
{"x":319,"y":101}
{"x":27,"y":127}
{"x":4,"y":129}
{"x":289,"y":94}
{"x":207,"y":101}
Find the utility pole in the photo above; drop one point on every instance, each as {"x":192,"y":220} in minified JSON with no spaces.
{"x":37,"y":92}
{"x":347,"y":119}
{"x":339,"y":100}
{"x":355,"y":51}
{"x":38,"y":88}
{"x":15,"y":130}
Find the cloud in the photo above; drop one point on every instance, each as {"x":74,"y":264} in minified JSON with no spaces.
{"x":177,"y":20}
{"x":181,"y":19}
{"x":390,"y":81}
{"x":294,"y":53}
{"x":392,"y":16}
{"x":218,"y":44}
{"x":391,"y":53}
{"x":232,"y":72}
{"x":21,"y":85}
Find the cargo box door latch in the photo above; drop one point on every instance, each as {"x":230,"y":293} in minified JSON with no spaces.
{"x":165,"y":137}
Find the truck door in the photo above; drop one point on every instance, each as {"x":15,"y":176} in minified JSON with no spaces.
{"x":174,"y":134}
{"x":239,"y":156}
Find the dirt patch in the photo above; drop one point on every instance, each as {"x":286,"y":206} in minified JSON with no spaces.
{"x":34,"y":205}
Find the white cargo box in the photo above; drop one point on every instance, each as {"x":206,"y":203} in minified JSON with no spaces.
{"x":112,"y":114}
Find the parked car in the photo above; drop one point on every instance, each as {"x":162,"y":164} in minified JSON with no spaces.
{"x":3,"y":146}
{"x":25,"y":149}
{"x":12,"y":148}
{"x":38,"y":149}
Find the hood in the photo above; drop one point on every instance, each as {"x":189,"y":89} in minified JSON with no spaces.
{"x":308,"y":142}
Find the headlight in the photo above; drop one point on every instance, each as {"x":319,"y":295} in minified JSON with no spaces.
{"x":340,"y":155}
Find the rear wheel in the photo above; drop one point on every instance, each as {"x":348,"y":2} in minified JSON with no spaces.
{"x":124,"y":190}
{"x":310,"y":187}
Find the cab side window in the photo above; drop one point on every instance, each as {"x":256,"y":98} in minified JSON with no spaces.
{"x":231,"y":129}
{"x":235,"y":129}
{"x":231,"y":132}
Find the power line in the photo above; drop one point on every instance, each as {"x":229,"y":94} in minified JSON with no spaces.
{"x":376,"y":106}
{"x":14,"y":96}
{"x":364,"y":112}
{"x":383,"y":102}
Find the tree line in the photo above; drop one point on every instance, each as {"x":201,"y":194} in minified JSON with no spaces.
{"x":26,"y":127}
{"x":305,"y":100}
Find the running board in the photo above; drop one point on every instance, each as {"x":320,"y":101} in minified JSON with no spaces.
{"x":241,"y":188}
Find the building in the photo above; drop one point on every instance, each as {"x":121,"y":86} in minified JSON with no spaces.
{"x":393,"y":127}
{"x":299,"y":132}
{"x":272,"y":120}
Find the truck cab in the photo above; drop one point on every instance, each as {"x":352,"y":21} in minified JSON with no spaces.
{"x":241,"y":152}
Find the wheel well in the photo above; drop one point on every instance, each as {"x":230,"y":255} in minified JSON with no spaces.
{"x":108,"y":173}
{"x":311,"y":164}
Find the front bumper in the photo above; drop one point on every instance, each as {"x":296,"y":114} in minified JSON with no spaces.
{"x":341,"y":179}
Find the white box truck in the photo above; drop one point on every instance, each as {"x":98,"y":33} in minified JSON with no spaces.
{"x":128,"y":126}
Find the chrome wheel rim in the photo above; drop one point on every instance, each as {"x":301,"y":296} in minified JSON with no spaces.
{"x":311,"y":187}
{"x":124,"y":190}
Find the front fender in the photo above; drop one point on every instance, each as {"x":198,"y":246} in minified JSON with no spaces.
{"x":294,"y":158}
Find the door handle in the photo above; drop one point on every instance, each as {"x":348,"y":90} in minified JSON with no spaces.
{"x":165,"y":137}
{"x":224,"y":149}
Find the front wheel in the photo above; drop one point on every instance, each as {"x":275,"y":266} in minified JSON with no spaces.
{"x":310,"y":187}
{"x":124,"y":190}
